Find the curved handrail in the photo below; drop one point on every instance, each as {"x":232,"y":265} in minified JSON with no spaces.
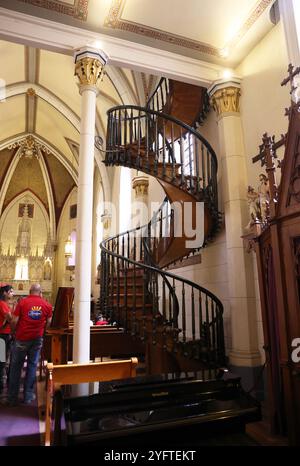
{"x":156,"y":269}
{"x":202,"y":322}
{"x":156,"y":91}
{"x":169,"y":118}
{"x":144,"y":138}
{"x":150,"y":255}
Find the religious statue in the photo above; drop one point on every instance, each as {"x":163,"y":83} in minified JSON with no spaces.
{"x":24,"y":234}
{"x":264,"y":196}
{"x":47,"y":270}
{"x":254,"y":206}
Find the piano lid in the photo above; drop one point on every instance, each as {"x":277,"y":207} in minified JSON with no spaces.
{"x":127,"y":407}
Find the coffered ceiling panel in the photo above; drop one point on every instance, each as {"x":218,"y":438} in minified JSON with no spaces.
{"x":193,"y":19}
{"x":217,"y":31}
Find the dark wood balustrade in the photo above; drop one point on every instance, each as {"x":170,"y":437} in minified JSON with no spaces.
{"x":180,"y":322}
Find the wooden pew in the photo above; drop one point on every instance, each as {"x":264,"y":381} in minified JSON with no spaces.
{"x":83,"y":373}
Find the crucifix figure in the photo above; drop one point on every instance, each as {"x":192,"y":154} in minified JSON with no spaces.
{"x":266,"y":156}
{"x":290,"y":78}
{"x":295,"y":87}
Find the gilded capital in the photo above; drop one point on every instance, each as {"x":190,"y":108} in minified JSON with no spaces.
{"x":89,"y":66}
{"x":89,"y":71}
{"x":226,"y":100}
{"x":106,"y":222}
{"x":225,"y":96}
{"x":31,"y":92}
{"x":140,"y":185}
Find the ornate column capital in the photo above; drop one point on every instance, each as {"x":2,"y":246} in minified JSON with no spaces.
{"x":106,"y":222}
{"x":225,"y":96}
{"x":140,"y":185}
{"x":89,"y":66}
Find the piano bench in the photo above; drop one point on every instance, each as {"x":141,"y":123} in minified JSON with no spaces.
{"x":83,"y":373}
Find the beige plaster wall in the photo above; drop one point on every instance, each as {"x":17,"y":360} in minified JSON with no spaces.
{"x":263,"y":100}
{"x":263,"y":104}
{"x":212,"y":275}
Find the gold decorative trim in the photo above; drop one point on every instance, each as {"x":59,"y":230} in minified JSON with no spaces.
{"x":30,"y":147}
{"x":140,"y":185}
{"x":79,"y":10}
{"x":89,"y":70}
{"x":226,"y":100}
{"x":31,"y":92}
{"x":114,"y":20}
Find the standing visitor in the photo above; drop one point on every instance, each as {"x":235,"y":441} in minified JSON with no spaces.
{"x":6,"y":292}
{"x":32,"y":315}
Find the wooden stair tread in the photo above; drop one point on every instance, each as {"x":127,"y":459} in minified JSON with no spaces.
{"x":137,"y":305}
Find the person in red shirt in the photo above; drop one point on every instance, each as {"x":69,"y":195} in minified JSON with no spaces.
{"x":6,"y":291}
{"x":32,"y":315}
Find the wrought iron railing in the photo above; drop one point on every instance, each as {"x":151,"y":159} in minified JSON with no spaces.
{"x":161,"y":98}
{"x":135,"y":292}
{"x":145,"y":299}
{"x":164,"y":147}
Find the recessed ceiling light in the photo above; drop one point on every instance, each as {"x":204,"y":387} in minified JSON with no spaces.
{"x":224,"y":52}
{"x":227,"y":74}
{"x":97,"y":44}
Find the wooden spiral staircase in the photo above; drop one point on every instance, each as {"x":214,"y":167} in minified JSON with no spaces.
{"x":180,"y":322}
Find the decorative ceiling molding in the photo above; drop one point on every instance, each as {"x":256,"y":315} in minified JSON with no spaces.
{"x":79,"y":9}
{"x":29,"y":147}
{"x":147,"y":85}
{"x":46,"y":147}
{"x":74,"y":148}
{"x":50,"y":35}
{"x":32,"y":66}
{"x":30,"y":111}
{"x":40,"y":91}
{"x":114,"y":20}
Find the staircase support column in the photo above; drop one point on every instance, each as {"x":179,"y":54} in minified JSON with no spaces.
{"x":89,"y":65}
{"x":140,"y":185}
{"x":244,"y":354}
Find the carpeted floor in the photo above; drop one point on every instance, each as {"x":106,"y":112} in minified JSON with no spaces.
{"x":19,"y":425}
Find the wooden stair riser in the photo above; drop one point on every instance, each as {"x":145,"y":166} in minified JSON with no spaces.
{"x":129,"y":299}
{"x":132,"y":274}
{"x":138,"y":287}
{"x":180,"y":187}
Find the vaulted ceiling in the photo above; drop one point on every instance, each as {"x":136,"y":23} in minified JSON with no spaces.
{"x":43,"y":100}
{"x":42,"y":95}
{"x":217,"y":31}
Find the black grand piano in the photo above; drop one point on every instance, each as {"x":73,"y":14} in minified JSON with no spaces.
{"x":174,"y":409}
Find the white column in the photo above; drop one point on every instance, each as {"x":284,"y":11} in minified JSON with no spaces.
{"x":140,"y":185}
{"x":290,"y":16}
{"x":89,"y":66}
{"x":225,"y":98}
